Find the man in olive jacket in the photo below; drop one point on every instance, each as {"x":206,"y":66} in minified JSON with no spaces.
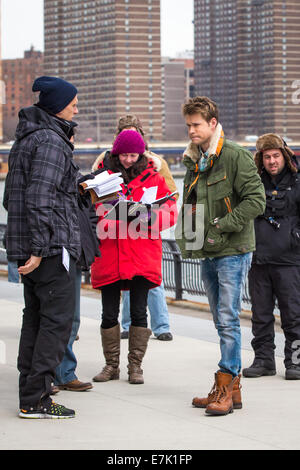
{"x":222,"y":185}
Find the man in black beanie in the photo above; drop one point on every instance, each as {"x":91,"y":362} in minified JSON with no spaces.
{"x":43,"y":237}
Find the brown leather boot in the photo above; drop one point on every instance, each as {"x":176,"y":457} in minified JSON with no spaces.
{"x":236,"y":396}
{"x":111,"y":340}
{"x":138,"y":342}
{"x":76,"y":386}
{"x":222,"y":404}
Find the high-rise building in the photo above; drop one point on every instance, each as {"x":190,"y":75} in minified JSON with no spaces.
{"x":173,"y":85}
{"x":18,"y":76}
{"x":177,"y":87}
{"x":109,"y":49}
{"x":247,"y":59}
{"x":187,"y":58}
{"x":215,"y":56}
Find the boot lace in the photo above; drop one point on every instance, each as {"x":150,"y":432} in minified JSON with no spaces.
{"x":220,"y":393}
{"x":213,"y":391}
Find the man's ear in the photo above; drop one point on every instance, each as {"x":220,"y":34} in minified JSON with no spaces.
{"x":213,"y":123}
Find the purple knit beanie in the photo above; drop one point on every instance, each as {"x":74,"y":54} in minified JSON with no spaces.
{"x":128,"y":141}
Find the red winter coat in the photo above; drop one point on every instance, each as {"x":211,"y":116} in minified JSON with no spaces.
{"x":123,"y":257}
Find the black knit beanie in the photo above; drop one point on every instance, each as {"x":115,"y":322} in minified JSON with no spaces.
{"x":55,"y":93}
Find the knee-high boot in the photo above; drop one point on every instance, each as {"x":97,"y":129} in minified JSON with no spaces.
{"x":138,"y":342}
{"x":111,"y":349}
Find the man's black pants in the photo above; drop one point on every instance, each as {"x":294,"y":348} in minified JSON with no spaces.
{"x":49,"y":294}
{"x":266,"y":283}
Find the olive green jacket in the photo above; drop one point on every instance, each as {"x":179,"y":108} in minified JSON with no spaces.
{"x":228,"y":197}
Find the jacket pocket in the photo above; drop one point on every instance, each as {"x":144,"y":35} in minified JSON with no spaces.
{"x":215,"y":240}
{"x":276,"y":203}
{"x":220,"y":195}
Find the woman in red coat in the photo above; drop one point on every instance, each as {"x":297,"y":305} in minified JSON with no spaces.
{"x":131,"y":254}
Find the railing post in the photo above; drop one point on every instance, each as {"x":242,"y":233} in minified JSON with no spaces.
{"x":177,"y":269}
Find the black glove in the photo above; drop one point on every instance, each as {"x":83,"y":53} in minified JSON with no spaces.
{"x":97,"y":172}
{"x":83,"y":178}
{"x":84,"y":200}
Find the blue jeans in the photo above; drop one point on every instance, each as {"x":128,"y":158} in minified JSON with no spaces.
{"x":159,"y":315}
{"x":65,"y":372}
{"x":13,"y":275}
{"x":224,"y":279}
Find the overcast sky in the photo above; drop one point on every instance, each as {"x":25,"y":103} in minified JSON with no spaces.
{"x":22,"y":26}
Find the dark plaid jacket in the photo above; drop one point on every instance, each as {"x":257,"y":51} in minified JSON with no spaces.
{"x":41,"y":190}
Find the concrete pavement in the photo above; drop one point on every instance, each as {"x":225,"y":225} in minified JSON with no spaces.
{"x":158,"y":414}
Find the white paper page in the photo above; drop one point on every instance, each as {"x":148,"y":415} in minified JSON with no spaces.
{"x":108,"y":190}
{"x":66,"y":259}
{"x":109,"y":187}
{"x":149,"y":195}
{"x":101,"y":179}
{"x":110,"y":183}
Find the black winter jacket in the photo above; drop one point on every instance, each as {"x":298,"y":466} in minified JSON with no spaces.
{"x":41,"y":189}
{"x":278,"y":230}
{"x":89,"y":242}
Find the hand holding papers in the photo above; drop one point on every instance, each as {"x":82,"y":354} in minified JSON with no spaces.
{"x":104,"y":186}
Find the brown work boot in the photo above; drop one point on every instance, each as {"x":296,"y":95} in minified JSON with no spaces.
{"x":236,"y":396}
{"x":111,"y":349}
{"x":222,"y":403}
{"x":76,"y":386}
{"x":138,"y":342}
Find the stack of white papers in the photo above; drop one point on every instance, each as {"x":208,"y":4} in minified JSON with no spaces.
{"x":105,"y":183}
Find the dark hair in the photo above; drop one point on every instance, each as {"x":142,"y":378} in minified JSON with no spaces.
{"x":132,"y":172}
{"x":201,"y":105}
{"x":128,"y":121}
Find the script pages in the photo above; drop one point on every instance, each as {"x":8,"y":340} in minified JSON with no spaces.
{"x":104,"y":186}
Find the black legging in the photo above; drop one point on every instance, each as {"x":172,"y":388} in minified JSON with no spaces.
{"x":139,"y":287}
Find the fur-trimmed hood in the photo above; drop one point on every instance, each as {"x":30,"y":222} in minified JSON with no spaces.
{"x":215,"y":146}
{"x":150,"y":155}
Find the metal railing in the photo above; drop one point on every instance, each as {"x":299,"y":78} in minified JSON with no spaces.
{"x":180,"y":275}
{"x":184,"y":275}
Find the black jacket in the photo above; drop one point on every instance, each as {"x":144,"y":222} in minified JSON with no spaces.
{"x":278,"y":230}
{"x":41,"y":189}
{"x":89,"y":242}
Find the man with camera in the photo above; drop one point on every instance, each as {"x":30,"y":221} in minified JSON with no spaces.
{"x":275,"y":271}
